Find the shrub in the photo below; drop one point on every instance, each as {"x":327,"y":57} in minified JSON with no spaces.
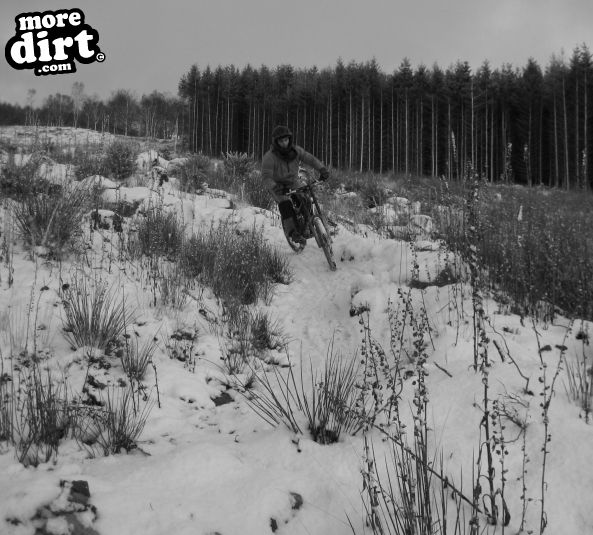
{"x":51,"y":220}
{"x":238,"y":165}
{"x":159,"y":234}
{"x":239,"y":267}
{"x":20,"y":181}
{"x":256,"y":192}
{"x":370,"y":187}
{"x":95,"y":313}
{"x":89,"y":163}
{"x":523,"y":238}
{"x":194,"y":172}
{"x":120,"y":159}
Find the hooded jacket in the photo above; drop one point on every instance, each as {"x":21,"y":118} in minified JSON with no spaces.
{"x":280,"y":167}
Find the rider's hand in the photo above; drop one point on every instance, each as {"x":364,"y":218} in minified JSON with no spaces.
{"x":323,"y":174}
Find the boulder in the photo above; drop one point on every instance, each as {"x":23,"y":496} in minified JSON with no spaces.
{"x":70,"y":512}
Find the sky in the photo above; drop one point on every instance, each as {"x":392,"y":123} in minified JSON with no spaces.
{"x":150,"y":44}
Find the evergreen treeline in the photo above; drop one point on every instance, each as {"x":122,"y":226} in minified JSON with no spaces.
{"x":516,"y":125}
{"x":525,"y":125}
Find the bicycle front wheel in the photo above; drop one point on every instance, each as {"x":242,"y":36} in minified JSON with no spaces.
{"x":324,"y":241}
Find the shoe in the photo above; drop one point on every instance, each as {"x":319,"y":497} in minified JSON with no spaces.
{"x":297,"y":238}
{"x":291,"y":232}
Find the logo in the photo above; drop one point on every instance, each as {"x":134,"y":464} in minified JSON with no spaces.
{"x":51,"y":41}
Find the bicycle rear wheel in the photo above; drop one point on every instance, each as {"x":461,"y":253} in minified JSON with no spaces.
{"x":324,"y":241}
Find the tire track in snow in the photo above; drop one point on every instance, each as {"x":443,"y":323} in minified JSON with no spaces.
{"x":316,"y":305}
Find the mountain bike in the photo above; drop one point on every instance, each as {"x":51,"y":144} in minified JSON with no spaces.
{"x":310,"y":221}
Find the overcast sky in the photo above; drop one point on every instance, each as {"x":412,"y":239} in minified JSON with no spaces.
{"x":150,"y":44}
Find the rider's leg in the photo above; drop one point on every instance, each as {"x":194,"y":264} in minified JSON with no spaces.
{"x":289,"y":221}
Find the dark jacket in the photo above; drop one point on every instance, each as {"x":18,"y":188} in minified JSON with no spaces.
{"x":280,"y":169}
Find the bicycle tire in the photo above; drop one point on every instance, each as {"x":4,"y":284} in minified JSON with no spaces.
{"x":324,"y":241}
{"x":296,"y":247}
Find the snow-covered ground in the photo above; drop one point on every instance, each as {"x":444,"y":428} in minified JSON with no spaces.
{"x":207,"y":469}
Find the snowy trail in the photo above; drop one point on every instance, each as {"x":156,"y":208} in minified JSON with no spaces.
{"x":317,"y":304}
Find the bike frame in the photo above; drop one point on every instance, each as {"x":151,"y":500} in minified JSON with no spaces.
{"x":312,"y":212}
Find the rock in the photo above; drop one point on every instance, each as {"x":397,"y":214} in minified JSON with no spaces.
{"x":79,"y":491}
{"x":69,"y":513}
{"x":222,"y":399}
{"x":296,"y":501}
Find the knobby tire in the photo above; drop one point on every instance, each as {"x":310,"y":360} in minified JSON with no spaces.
{"x":324,"y":241}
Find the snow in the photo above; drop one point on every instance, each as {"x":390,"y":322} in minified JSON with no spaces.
{"x":206,"y":469}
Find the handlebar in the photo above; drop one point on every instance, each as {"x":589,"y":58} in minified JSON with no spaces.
{"x":307,"y":185}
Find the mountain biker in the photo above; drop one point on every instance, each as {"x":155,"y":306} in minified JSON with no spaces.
{"x":280,"y":172}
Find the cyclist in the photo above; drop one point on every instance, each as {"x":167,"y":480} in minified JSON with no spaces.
{"x":280,"y":172}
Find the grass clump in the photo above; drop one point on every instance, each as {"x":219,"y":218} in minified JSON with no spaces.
{"x":579,"y":375}
{"x":407,"y":494}
{"x":39,"y":416}
{"x":249,"y":334}
{"x":117,"y":425}
{"x":135,"y":358}
{"x":5,"y":404}
{"x":53,"y":219}
{"x":95,"y":313}
{"x":325,"y":405}
{"x":240,"y":267}
{"x":266,"y":333}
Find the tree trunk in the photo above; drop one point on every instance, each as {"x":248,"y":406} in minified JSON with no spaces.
{"x":566,"y":166}
{"x":407,"y":138}
{"x":362,"y":134}
{"x":585,"y":138}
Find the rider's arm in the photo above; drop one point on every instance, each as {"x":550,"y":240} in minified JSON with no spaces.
{"x":308,"y":159}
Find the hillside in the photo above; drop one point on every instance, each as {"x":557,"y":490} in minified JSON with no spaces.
{"x":205,"y":463}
